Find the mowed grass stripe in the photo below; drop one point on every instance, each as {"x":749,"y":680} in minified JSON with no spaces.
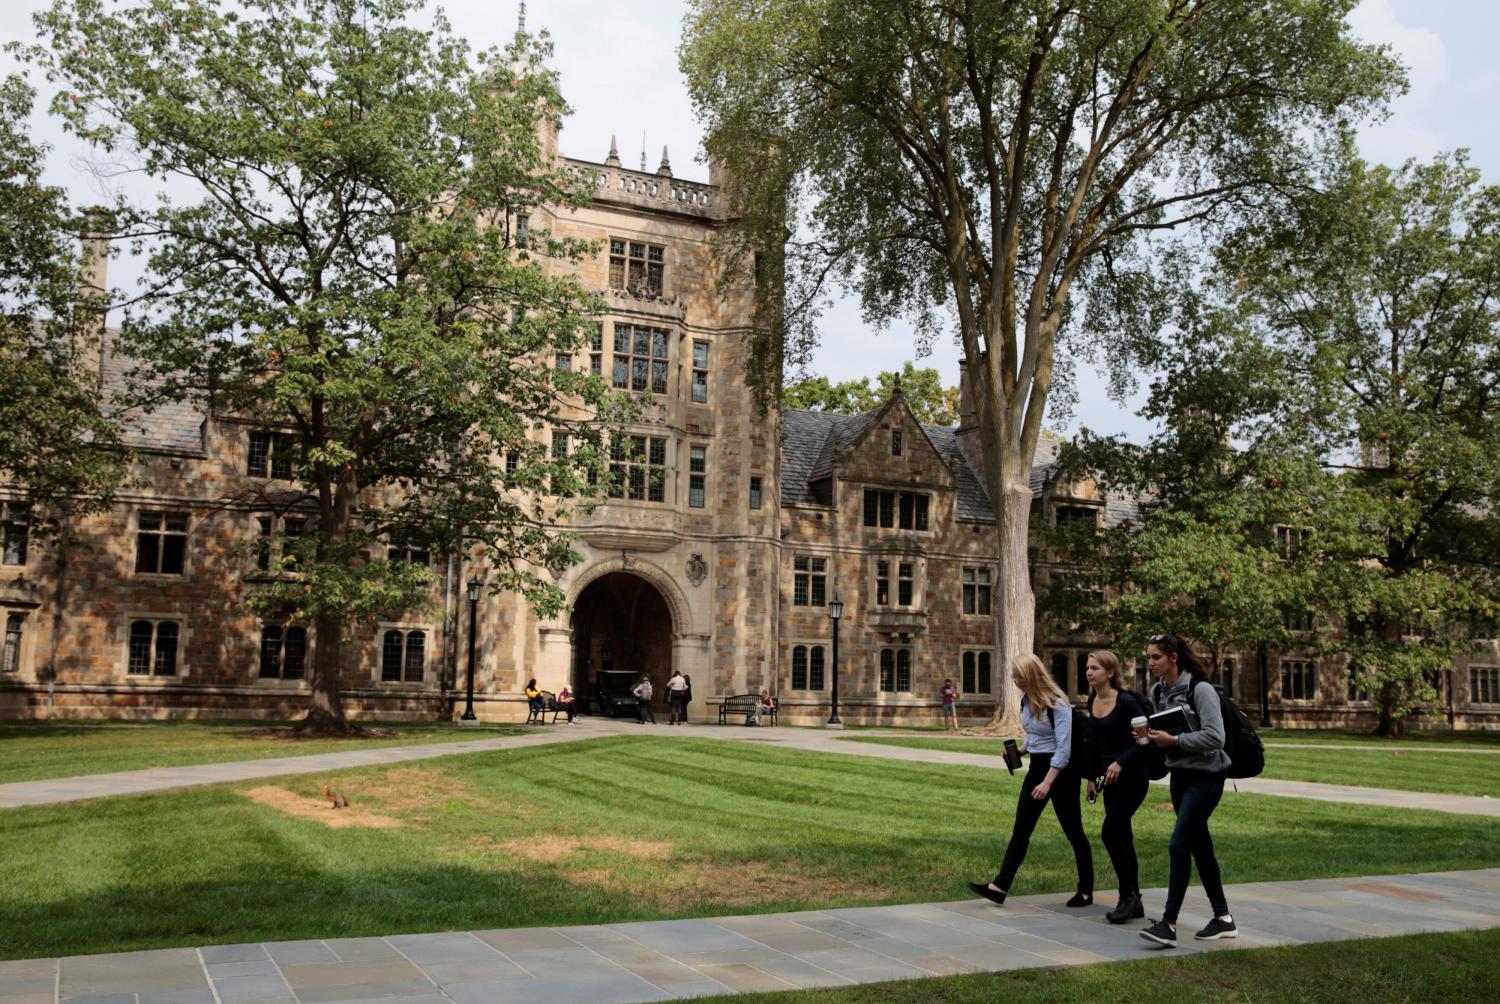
{"x":614,"y":829}
{"x":1444,"y":770}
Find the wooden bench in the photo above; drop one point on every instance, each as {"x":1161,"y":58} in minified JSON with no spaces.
{"x":740,"y":705}
{"x":538,"y":716}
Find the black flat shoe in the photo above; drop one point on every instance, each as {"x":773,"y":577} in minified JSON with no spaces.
{"x":983,"y":890}
{"x":1129,"y":908}
{"x":1080,"y":899}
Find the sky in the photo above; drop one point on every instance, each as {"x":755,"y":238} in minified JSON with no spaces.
{"x":618,"y":66}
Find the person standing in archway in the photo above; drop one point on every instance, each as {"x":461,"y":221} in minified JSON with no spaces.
{"x":642,"y":692}
{"x":687,"y":695}
{"x":676,"y":702}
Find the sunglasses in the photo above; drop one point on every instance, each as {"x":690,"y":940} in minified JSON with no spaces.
{"x":1157,"y":639}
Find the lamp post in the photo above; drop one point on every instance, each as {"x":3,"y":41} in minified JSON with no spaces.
{"x":835,"y":614}
{"x":474,"y":587}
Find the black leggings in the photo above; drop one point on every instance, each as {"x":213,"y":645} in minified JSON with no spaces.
{"x":1064,"y":799}
{"x":1121,"y":799}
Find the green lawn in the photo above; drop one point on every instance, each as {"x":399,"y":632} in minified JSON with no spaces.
{"x":1445,"y":771}
{"x":613,"y":829}
{"x":32,"y":751}
{"x":1420,"y":967}
{"x":1362,"y":737}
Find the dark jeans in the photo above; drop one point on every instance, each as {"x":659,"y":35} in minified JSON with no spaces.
{"x":1195,"y":794}
{"x":643,"y":711}
{"x":1121,"y":799}
{"x":566,"y":707}
{"x":1064,"y":799}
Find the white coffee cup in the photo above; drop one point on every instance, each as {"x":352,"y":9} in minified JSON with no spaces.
{"x":1138,"y":726}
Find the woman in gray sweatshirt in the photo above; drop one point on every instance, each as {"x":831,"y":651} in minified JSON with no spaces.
{"x":1198,"y":765}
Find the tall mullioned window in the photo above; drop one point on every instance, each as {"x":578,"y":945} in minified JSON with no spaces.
{"x":903,"y":510}
{"x":976,"y":597}
{"x":153,"y":648}
{"x":15,"y":533}
{"x":640,"y":362}
{"x":808,"y":662}
{"x":1299,"y":680}
{"x":638,"y":467}
{"x":697,"y":476}
{"x":636,"y":266}
{"x":160,"y":542}
{"x":271,"y":455}
{"x":809,"y":581}
{"x":976,"y":676}
{"x":700,"y":372}
{"x":403,"y":656}
{"x":283,"y":652}
{"x":895,"y":670}
{"x":1484,"y":684}
{"x":10,"y":658}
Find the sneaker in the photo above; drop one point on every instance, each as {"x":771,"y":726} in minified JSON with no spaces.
{"x":1162,"y":933}
{"x":1217,"y":929}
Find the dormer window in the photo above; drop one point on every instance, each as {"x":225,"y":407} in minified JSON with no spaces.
{"x":895,"y":442}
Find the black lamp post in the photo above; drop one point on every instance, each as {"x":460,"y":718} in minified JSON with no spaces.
{"x":835,"y":614}
{"x":474,"y":587}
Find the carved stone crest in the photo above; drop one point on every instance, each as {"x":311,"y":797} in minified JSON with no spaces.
{"x":697,"y":569}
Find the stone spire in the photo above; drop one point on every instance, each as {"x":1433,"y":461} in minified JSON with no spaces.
{"x":521,"y":19}
{"x":613,"y":160}
{"x":666,"y":165}
{"x":643,"y":151}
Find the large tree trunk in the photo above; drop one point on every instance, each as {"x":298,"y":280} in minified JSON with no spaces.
{"x":325,"y":709}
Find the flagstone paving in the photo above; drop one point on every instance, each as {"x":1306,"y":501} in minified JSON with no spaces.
{"x":72,"y":789}
{"x":672,"y":959}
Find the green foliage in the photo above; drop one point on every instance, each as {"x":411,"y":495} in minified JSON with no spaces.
{"x":1340,"y":380}
{"x":930,"y":401}
{"x":337,"y":258}
{"x":59,"y":451}
{"x":978,"y":164}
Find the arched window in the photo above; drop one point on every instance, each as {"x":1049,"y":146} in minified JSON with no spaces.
{"x":799,"y":667}
{"x":390,"y":657}
{"x":416,"y":661}
{"x":815,"y":668}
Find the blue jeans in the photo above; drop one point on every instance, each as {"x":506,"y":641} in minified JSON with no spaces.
{"x":1195,"y":795}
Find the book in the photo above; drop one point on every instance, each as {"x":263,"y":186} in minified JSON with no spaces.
{"x":1175,"y":720}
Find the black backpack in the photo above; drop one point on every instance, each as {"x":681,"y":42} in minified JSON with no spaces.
{"x":1084,"y":754}
{"x":1247,"y":754}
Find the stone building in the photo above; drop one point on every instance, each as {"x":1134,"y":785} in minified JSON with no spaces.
{"x":736,"y":531}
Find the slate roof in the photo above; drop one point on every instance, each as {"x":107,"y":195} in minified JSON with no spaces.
{"x":170,"y":428}
{"x":973,"y":500}
{"x":804,"y":436}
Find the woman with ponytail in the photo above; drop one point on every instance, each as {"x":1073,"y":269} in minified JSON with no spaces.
{"x":1047,"y":717}
{"x":1198,"y":765}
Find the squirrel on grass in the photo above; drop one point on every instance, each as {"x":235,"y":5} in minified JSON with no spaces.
{"x":339,"y":801}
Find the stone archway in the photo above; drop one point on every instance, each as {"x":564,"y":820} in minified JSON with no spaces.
{"x":622,"y":622}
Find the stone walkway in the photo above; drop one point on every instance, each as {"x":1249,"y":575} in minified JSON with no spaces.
{"x":691,"y":958}
{"x":72,"y":789}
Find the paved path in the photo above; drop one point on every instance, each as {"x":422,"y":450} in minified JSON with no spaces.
{"x":688,"y":958}
{"x":73,"y":789}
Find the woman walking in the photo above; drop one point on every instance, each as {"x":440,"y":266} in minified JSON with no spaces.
{"x":1111,"y":707}
{"x":1198,"y":765}
{"x":1047,"y":718}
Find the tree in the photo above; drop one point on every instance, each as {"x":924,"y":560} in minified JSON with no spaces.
{"x":60,"y":453}
{"x":1385,"y":296}
{"x":986,"y":162}
{"x":930,"y":401}
{"x":345,"y":268}
{"x":1331,"y":440}
{"x":1218,"y":547}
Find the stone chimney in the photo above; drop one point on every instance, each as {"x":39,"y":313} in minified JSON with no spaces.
{"x":90,"y":331}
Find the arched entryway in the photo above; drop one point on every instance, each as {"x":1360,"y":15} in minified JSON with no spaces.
{"x":622,"y":623}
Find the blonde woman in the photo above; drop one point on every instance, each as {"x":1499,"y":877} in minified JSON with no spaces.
{"x":1047,"y":717}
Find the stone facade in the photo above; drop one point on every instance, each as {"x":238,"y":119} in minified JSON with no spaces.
{"x":763,"y":521}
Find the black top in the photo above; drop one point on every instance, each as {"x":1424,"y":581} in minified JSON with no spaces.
{"x":1112,"y":735}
